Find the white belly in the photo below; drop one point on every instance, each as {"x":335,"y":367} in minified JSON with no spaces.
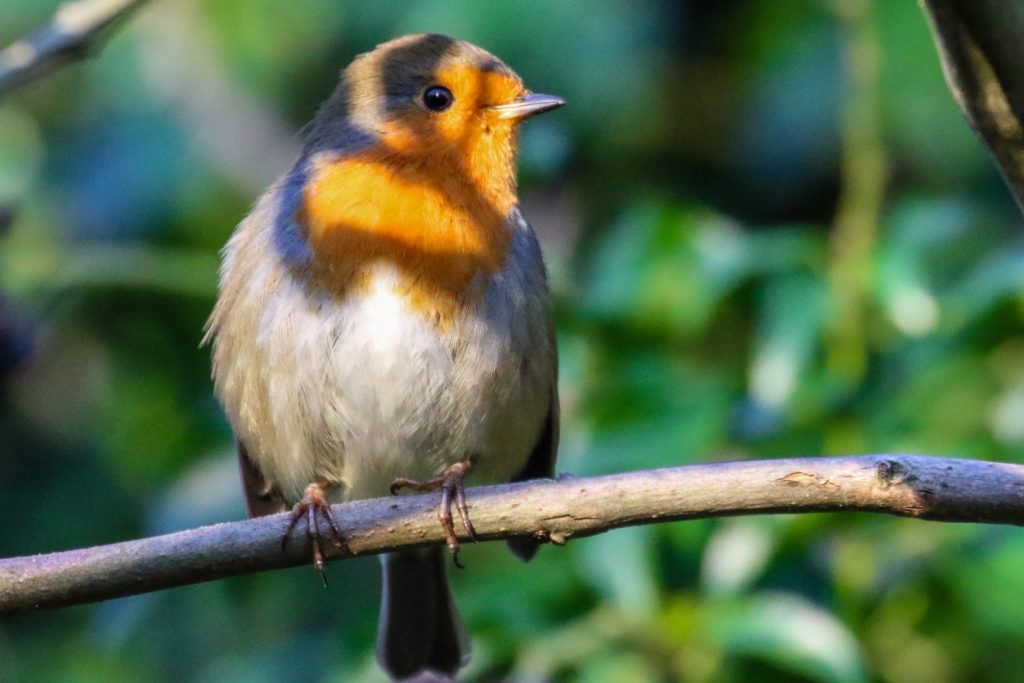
{"x":365,"y":390}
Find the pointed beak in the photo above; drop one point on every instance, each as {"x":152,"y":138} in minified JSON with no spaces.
{"x":526,"y":106}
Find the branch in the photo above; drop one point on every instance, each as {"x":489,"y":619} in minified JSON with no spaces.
{"x":979,"y":43}
{"x":77,"y":28}
{"x":942,"y":489}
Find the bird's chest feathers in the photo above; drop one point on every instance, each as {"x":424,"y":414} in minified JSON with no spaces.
{"x":442,"y":235}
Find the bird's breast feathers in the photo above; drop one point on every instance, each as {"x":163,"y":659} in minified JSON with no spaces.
{"x":442,"y":232}
{"x":411,"y":350}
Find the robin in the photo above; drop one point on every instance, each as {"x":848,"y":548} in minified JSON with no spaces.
{"x":383,"y":319}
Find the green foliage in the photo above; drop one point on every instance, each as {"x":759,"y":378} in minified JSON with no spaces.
{"x":686,"y":199}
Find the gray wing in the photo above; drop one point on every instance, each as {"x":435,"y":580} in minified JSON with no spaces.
{"x":541,"y":465}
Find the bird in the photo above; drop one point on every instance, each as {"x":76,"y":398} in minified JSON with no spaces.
{"x":383,"y":321}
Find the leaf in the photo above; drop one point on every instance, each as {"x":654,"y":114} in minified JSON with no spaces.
{"x":792,"y":633}
{"x":621,"y":564}
{"x":737,"y":554}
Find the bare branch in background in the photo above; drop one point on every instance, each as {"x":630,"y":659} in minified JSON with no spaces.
{"x":76,"y":30}
{"x":982,"y":51}
{"x":943,"y":489}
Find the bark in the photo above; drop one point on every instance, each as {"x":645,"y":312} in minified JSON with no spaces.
{"x":942,"y":489}
{"x":76,"y":30}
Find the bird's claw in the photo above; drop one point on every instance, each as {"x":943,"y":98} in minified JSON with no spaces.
{"x":314,"y":499}
{"x":453,"y":490}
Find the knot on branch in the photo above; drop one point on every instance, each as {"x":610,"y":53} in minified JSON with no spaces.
{"x":892,"y":473}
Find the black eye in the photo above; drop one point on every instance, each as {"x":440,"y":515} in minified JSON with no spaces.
{"x":438,"y":98}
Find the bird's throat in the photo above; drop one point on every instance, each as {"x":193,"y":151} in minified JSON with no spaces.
{"x":438,"y":228}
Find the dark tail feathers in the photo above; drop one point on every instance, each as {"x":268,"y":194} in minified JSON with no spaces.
{"x":419,"y":632}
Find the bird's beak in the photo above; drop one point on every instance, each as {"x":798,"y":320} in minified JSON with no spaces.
{"x":526,"y":106}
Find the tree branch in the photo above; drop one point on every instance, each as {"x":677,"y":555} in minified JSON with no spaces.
{"x":979,"y":43}
{"x":76,"y":29}
{"x":942,"y":489}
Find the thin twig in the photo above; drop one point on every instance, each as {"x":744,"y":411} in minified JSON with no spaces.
{"x":943,"y":489}
{"x":76,"y":29}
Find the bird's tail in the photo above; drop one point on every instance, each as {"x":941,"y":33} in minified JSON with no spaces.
{"x":419,"y":632}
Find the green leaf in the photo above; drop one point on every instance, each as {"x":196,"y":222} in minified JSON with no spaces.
{"x":791,"y":633}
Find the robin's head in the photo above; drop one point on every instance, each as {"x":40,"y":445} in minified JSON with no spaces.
{"x":412,"y":161}
{"x":430,"y":99}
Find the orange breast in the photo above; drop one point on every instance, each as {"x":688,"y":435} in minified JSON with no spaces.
{"x":437,"y":228}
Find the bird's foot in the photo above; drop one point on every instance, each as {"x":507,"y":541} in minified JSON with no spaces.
{"x":452,"y":490}
{"x":314,"y":500}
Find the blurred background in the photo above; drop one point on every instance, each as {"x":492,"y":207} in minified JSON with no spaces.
{"x":770,"y":232}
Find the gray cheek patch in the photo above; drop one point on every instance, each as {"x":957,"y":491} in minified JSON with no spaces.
{"x":334,"y":129}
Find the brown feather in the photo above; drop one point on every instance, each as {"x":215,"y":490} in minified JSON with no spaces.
{"x":260,"y":497}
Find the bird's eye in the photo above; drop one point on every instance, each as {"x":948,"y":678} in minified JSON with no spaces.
{"x":438,"y":98}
